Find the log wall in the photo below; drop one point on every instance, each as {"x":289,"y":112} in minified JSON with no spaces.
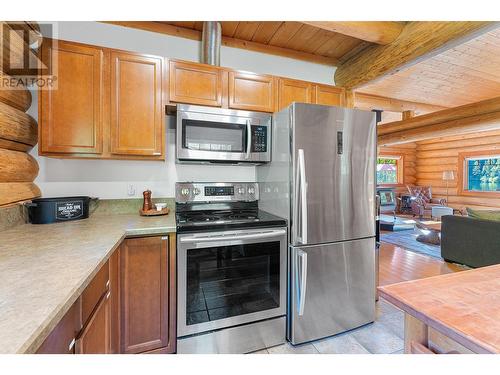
{"x":440,"y":154}
{"x":408,"y":151}
{"x":18,"y":135}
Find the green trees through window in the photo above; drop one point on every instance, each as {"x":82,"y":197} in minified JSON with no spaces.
{"x":483,"y":174}
{"x":387,"y":171}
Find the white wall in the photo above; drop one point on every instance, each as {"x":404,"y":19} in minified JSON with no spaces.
{"x":110,"y":178}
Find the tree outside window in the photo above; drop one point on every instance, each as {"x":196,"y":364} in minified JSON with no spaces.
{"x":388,"y":170}
{"x":483,"y":174}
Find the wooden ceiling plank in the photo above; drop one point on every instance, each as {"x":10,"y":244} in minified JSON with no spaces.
{"x":379,"y":32}
{"x":168,"y":29}
{"x":229,"y":28}
{"x":265,"y":31}
{"x":302,"y":37}
{"x":418,"y":41}
{"x":246,"y":30}
{"x":285,"y":32}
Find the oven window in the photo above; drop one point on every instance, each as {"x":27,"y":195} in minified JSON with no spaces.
{"x":213,"y":136}
{"x":232,"y":280}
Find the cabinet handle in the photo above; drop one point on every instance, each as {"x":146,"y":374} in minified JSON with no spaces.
{"x":164,"y":238}
{"x":107,"y":284}
{"x":72,"y":344}
{"x":107,"y":295}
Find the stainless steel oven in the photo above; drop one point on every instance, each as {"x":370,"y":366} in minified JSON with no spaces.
{"x":206,"y":134}
{"x":231,"y":278}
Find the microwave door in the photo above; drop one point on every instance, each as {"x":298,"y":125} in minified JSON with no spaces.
{"x":222,"y":138}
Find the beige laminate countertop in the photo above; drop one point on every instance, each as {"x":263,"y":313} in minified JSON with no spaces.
{"x":44,"y":268}
{"x":464,"y":306}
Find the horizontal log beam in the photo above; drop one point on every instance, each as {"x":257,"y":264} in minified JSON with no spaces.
{"x":380,"y":32}
{"x":450,"y":114}
{"x":16,"y":166}
{"x":182,"y":32}
{"x":370,"y":101}
{"x":418,"y":41}
{"x":472,"y":124}
{"x":17,"y":126}
{"x":18,"y":98}
{"x":12,"y":192}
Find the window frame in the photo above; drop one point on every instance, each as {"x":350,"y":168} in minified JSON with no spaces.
{"x":399,"y":169}
{"x":463,"y":179}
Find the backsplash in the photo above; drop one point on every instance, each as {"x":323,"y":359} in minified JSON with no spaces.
{"x":124,"y":206}
{"x":12,"y":216}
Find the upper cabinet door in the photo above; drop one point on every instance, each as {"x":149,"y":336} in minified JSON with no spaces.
{"x":195,"y":84}
{"x":71,"y":114}
{"x":251,"y":92}
{"x":136,"y":105}
{"x":328,"y":95}
{"x":291,"y":90}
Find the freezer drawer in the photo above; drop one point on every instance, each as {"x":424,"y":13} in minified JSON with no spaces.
{"x":331,"y":289}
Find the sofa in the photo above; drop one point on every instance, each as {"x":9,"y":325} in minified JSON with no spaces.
{"x":422,"y":201}
{"x":470,"y":241}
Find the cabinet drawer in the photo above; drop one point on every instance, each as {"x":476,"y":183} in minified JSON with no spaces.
{"x":94,"y":291}
{"x":195,"y":84}
{"x":95,"y":337}
{"x":62,"y":338}
{"x":252,"y":92}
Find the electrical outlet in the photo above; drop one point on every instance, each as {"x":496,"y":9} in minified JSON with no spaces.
{"x":130,"y":190}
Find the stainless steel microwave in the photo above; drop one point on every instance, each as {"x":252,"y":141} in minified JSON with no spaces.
{"x":217,"y":135}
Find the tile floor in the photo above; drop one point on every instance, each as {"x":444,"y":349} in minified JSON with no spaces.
{"x":384,"y":336}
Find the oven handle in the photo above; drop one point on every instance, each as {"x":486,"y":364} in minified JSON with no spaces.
{"x":249,"y":139}
{"x":257,"y":236}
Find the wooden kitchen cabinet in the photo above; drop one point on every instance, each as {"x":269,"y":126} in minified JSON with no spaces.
{"x":114,"y":287}
{"x":95,"y":337}
{"x":137,"y":115}
{"x":63,"y":337}
{"x":147,"y":294}
{"x":195,"y":83}
{"x":328,"y":95}
{"x":252,"y":92}
{"x":108,"y":104}
{"x":71,"y":115}
{"x":291,"y":90}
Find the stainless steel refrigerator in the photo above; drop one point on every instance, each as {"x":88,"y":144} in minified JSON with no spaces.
{"x":322,"y":179}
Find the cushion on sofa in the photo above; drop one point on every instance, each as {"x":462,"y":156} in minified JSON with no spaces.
{"x":484,"y":214}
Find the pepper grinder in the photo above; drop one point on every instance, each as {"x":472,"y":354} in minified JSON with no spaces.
{"x":147,"y":204}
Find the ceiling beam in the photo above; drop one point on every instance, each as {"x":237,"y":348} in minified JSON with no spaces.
{"x":469,"y":118}
{"x":380,"y":32}
{"x":418,"y":41}
{"x":183,"y":32}
{"x":370,"y":102}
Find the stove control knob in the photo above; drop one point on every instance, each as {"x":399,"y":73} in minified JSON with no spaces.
{"x":251,"y":190}
{"x":185,"y":191}
{"x":196,"y":191}
{"x":241,"y":190}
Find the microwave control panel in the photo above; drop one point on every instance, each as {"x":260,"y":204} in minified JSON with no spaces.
{"x":259,"y":138}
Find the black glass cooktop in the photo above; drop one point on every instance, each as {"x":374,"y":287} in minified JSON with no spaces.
{"x":225,"y":219}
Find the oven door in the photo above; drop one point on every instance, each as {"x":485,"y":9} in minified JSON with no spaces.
{"x":226,"y":136}
{"x":230,"y":278}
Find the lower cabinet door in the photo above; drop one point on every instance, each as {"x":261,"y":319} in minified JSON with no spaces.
{"x":95,"y":337}
{"x":147,"y":295}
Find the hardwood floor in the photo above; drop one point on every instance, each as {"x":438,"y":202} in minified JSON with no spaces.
{"x":398,"y":264}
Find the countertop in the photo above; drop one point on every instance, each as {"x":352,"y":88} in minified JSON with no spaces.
{"x":464,"y":306}
{"x":44,"y":269}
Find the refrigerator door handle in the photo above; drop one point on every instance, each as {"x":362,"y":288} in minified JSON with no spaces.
{"x":249,"y":139}
{"x":301,"y":280}
{"x":303,"y":195}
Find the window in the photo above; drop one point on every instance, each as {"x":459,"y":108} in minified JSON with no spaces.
{"x":481,"y":173}
{"x":390,"y":170}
